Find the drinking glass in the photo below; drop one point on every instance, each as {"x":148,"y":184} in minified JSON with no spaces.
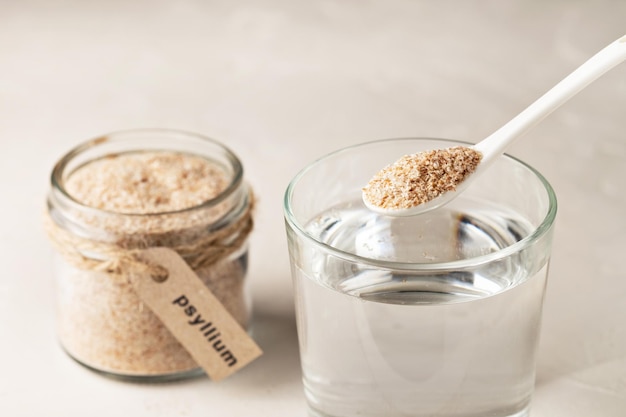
{"x":431,"y":315}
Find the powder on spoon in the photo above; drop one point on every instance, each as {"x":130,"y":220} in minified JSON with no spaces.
{"x":419,"y":178}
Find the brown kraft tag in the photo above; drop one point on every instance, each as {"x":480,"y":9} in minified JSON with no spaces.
{"x":193,"y":314}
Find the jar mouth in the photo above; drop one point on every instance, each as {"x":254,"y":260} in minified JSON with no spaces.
{"x":140,"y":140}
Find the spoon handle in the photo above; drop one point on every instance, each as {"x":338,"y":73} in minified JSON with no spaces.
{"x":607,"y":58}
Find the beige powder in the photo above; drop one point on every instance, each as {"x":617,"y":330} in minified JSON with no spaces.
{"x":144,"y":183}
{"x":102,"y":322}
{"x":419,"y":178}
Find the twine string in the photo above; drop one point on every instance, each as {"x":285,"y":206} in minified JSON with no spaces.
{"x":116,"y":259}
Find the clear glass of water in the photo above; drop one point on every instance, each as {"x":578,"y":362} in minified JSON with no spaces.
{"x":430,"y":315}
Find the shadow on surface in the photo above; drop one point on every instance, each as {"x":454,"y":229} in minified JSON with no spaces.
{"x":276,"y":334}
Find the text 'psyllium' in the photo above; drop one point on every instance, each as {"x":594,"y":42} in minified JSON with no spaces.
{"x":208,"y":330}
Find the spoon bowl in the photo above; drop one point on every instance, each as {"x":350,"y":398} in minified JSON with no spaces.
{"x":433,"y":204}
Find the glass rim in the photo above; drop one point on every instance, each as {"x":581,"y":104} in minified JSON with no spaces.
{"x":516,"y":247}
{"x":57,"y":181}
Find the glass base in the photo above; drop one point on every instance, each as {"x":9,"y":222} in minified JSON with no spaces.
{"x":312,"y":412}
{"x":156,"y":378}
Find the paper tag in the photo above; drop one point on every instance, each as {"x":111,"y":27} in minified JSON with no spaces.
{"x":193,"y":314}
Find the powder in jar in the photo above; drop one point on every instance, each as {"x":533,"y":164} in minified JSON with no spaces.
{"x":144,"y":183}
{"x":150,"y":199}
{"x":419,"y":178}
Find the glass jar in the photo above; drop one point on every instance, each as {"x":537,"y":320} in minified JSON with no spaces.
{"x":102,"y":323}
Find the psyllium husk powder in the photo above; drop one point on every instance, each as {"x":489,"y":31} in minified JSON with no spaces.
{"x":128,"y":191}
{"x":421,"y":177}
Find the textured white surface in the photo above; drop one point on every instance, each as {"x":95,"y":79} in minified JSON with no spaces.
{"x":282,"y":83}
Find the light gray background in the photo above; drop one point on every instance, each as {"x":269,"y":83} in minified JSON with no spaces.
{"x":282,"y":83}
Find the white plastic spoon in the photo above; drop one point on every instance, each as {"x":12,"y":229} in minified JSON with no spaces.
{"x":495,"y":144}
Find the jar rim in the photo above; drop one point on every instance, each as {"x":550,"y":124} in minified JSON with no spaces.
{"x":57,"y":177}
